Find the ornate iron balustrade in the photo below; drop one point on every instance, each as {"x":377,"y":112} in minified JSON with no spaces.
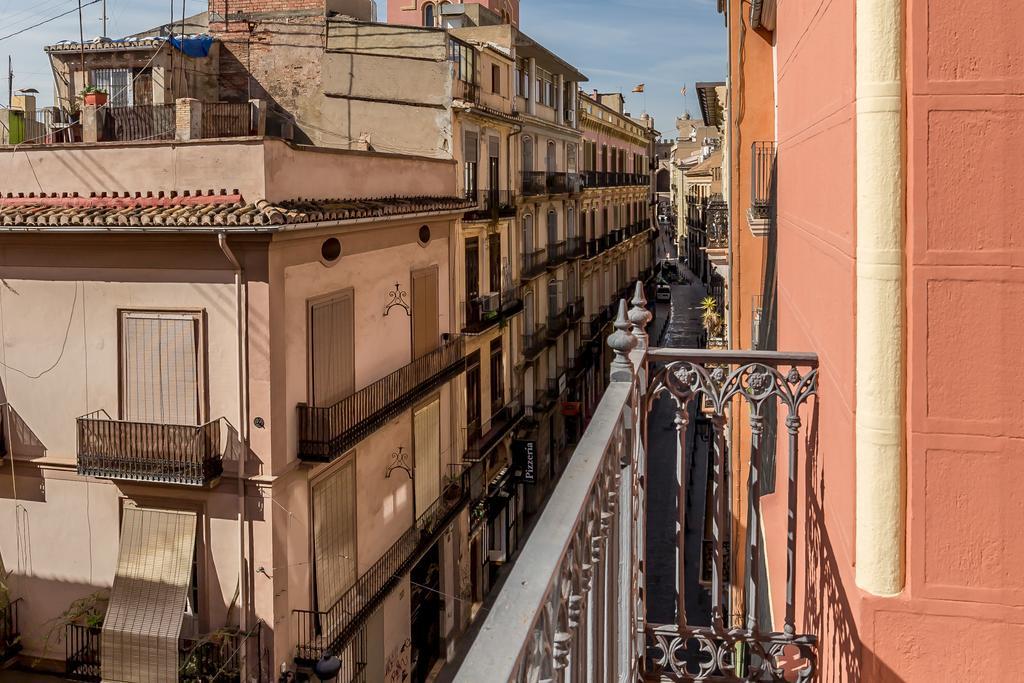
{"x":335,"y":629}
{"x":574,"y":183}
{"x":574,"y":247}
{"x":326,"y":433}
{"x":491,"y":205}
{"x":189,"y":455}
{"x":82,"y":652}
{"x":534,"y":263}
{"x":557,"y":182}
{"x":534,"y":183}
{"x":572,"y":607}
{"x":717,"y":222}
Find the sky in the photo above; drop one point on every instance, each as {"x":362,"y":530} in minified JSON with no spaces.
{"x":665,"y":44}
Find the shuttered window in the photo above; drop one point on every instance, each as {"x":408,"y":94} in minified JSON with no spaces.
{"x":426,"y":426}
{"x":332,"y":348}
{"x":425,"y":331}
{"x":142,"y":627}
{"x":160,"y":367}
{"x":334,"y":534}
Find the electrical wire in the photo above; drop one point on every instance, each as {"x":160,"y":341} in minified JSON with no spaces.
{"x":63,"y":346}
{"x":47,"y":21}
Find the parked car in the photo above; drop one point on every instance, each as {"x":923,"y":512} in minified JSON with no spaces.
{"x":663,"y":294}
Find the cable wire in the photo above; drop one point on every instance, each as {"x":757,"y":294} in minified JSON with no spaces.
{"x":47,"y":21}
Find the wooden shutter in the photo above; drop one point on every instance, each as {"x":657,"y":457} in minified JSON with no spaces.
{"x":142,"y":627}
{"x":426,"y":427}
{"x":334,"y":534}
{"x":425,"y":316}
{"x":332,"y":349}
{"x":160,"y":367}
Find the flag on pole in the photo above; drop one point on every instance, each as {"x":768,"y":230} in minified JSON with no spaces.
{"x":639,"y":88}
{"x":683,"y":91}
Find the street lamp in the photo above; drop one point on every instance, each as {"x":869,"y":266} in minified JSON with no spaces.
{"x":327,"y":668}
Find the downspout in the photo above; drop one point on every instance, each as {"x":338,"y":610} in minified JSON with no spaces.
{"x":880,"y":316}
{"x":241,"y":325}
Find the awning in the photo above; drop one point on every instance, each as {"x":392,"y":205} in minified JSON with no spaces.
{"x":143,"y":624}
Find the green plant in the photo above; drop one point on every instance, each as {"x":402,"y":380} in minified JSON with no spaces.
{"x":710,"y":317}
{"x":88,"y":611}
{"x":92,"y":89}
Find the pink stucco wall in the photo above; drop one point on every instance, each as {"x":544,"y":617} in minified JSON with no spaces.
{"x":964,"y":588}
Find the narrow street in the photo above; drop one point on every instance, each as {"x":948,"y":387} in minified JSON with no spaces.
{"x":683,"y":330}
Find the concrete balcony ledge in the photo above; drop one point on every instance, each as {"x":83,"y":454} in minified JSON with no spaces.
{"x":758,"y":221}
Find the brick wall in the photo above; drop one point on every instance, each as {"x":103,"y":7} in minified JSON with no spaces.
{"x":228,"y":8}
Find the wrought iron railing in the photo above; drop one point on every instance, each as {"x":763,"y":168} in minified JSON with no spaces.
{"x":327,"y":432}
{"x":491,"y":204}
{"x":82,"y":652}
{"x":538,"y":626}
{"x":483,"y":439}
{"x":218,"y":656}
{"x":558,"y":322}
{"x":334,"y":629}
{"x":717,"y":222}
{"x":226,"y":119}
{"x":556,"y":254}
{"x":534,"y":183}
{"x":556,"y":182}
{"x":487,"y":310}
{"x":10,"y":634}
{"x":534,"y":341}
{"x":574,"y":247}
{"x":189,"y":455}
{"x":534,"y":263}
{"x":575,"y":309}
{"x":762,"y":175}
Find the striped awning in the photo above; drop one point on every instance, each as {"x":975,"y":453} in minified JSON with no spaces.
{"x":143,"y":623}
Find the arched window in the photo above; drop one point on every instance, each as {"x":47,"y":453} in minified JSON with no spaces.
{"x":551,"y":156}
{"x":527,"y":153}
{"x":529,"y":313}
{"x":428,"y":14}
{"x":552,"y":227}
{"x":571,"y":286}
{"x":570,"y":223}
{"x":527,"y":234}
{"x":554,"y":305}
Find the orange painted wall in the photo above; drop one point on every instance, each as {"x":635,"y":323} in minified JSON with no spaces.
{"x":816,"y":283}
{"x":960,"y":616}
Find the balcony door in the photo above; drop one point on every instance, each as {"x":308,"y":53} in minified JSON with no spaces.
{"x":425,"y":332}
{"x":554,"y":287}
{"x":332,"y":367}
{"x":550,"y":158}
{"x":529,"y":320}
{"x":333,"y":497}
{"x":552,"y":227}
{"x":527,"y":154}
{"x":493,"y":166}
{"x":471,"y":153}
{"x":527,"y":234}
{"x":473,"y":396}
{"x":161,"y":367}
{"x":494,"y":262}
{"x":472,"y":268}
{"x":426,"y":428}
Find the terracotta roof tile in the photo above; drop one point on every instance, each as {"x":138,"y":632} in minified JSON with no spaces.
{"x":202,"y":209}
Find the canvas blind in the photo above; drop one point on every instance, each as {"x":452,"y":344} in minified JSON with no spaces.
{"x":160,"y":367}
{"x":334,"y":534}
{"x":426,"y":425}
{"x":332,"y":352}
{"x":425,"y":315}
{"x":142,"y":626}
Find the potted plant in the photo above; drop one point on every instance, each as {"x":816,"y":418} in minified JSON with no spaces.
{"x":94,"y":95}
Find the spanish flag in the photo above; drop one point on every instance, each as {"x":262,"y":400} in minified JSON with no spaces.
{"x":639,"y":88}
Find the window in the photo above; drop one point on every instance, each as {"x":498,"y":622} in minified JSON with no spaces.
{"x":161,"y":367}
{"x":551,"y":158}
{"x":570,"y":223}
{"x":463,"y":59}
{"x":426,"y":428}
{"x":473,"y":396}
{"x":471,"y":156}
{"x":428,"y":14}
{"x":570,"y":158}
{"x":334,"y":533}
{"x":472,"y":268}
{"x":117,"y":83}
{"x":495,"y":79}
{"x":552,"y":227}
{"x":425,"y":316}
{"x":528,"y":234}
{"x":494,"y":262}
{"x":527,"y":154}
{"x":497,"y":375}
{"x":332,"y":370}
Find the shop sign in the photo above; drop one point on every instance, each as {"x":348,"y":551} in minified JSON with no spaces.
{"x":524,"y":457}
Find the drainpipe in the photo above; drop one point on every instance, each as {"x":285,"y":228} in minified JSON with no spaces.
{"x":880,"y":306}
{"x":241,"y":326}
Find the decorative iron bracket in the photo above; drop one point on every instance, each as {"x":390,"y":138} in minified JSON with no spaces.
{"x":398,"y":298}
{"x":399,"y":461}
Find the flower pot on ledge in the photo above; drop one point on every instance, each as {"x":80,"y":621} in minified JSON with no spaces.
{"x":95,"y":98}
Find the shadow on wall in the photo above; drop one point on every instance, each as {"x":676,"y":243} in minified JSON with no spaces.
{"x":827,"y":610}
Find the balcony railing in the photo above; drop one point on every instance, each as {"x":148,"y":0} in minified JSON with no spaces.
{"x":534,"y":183}
{"x":464,"y":90}
{"x":189,"y":455}
{"x":328,"y":432}
{"x":482,"y":438}
{"x":334,"y":629}
{"x":574,"y":247}
{"x":216,"y":656}
{"x":10,"y":634}
{"x":534,"y":342}
{"x":717,"y":222}
{"x":488,"y":310}
{"x":491,"y":205}
{"x":762,"y":175}
{"x":558,"y":323}
{"x":554,"y":385}
{"x":575,"y":310}
{"x":614,"y":179}
{"x":587,"y":549}
{"x":556,"y":254}
{"x":534,"y":263}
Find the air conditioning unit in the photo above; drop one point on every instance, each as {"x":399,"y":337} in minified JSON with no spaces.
{"x":490,"y":303}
